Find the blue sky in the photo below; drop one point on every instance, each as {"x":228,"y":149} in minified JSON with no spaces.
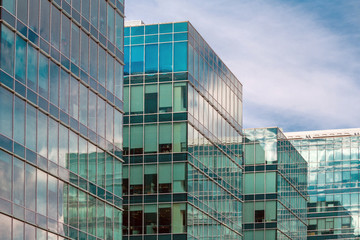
{"x":299,"y":61}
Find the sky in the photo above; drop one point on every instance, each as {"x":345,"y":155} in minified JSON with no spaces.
{"x":298,"y":61}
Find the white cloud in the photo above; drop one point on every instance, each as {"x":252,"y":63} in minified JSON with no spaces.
{"x":295,"y":71}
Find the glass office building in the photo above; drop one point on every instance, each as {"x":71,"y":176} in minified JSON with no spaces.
{"x":182,"y":132}
{"x":61,"y":68}
{"x":333,"y":181}
{"x":275,"y":187}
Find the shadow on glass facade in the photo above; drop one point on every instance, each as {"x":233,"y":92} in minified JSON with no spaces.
{"x":61,"y":78}
{"x":275,"y":190}
{"x":333,"y":182}
{"x":182,"y":125}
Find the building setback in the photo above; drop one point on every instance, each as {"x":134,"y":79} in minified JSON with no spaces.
{"x":61,"y":76}
{"x":333,"y":181}
{"x":182,"y":134}
{"x":275,"y":187}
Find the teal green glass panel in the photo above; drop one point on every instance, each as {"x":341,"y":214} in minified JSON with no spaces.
{"x":180,"y":134}
{"x":166,"y":28}
{"x":117,"y":177}
{"x":20,"y":63}
{"x":249,"y":212}
{"x":109,"y":168}
{"x":259,"y":183}
{"x":180,"y":97}
{"x":137,"y":99}
{"x":249,"y":183}
{"x":136,"y":175}
{"x":270,"y":211}
{"x":178,"y":217}
{"x":165,"y":103}
{"x":126,"y":60}
{"x":151,"y":58}
{"x":100,"y":213}
{"x":138,"y":30}
{"x":109,"y":221}
{"x":137,"y":59}
{"x":270,"y":182}
{"x":165,"y":38}
{"x":9,"y":5}
{"x":126,"y":137}
{"x":150,"y":138}
{"x":179,"y":172}
{"x":101,"y":168}
{"x":152,"y":29}
{"x":137,"y":40}
{"x":164,"y":173}
{"x":136,"y":139}
{"x":180,"y":56}
{"x":259,"y":235}
{"x":270,"y":234}
{"x":152,"y":39}
{"x":83,"y":158}
{"x":92,"y":163}
{"x":126,"y":99}
{"x":181,"y":27}
{"x":180,"y":36}
{"x":165,"y":137}
{"x":6,"y":112}
{"x":249,"y":153}
{"x":165,"y":58}
{"x":259,"y":154}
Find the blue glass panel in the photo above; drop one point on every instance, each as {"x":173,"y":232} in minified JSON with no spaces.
{"x":6,"y":124}
{"x":137,"y":40}
{"x":151,"y":58}
{"x":165,"y":38}
{"x":166,"y":28}
{"x":19,"y":115}
{"x":135,"y":31}
{"x":7,"y":50}
{"x":32,"y":69}
{"x":54,"y":83}
{"x":180,"y":56}
{"x":152,"y":29}
{"x":31,"y":127}
{"x":152,"y":39}
{"x":126,"y":32}
{"x":165,"y":57}
{"x":20,"y":64}
{"x":181,"y":27}
{"x":137,"y":59}
{"x":43,"y":76}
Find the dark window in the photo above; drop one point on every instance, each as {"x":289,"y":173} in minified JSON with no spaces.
{"x":164,"y":220}
{"x":136,"y":222}
{"x":259,"y":215}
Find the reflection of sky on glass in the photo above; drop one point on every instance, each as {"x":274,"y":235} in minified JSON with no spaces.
{"x":298,"y":60}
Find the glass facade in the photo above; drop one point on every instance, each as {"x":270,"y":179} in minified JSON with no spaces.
{"x":275,"y":187}
{"x":61,"y":107}
{"x":182,"y":132}
{"x":333,"y":182}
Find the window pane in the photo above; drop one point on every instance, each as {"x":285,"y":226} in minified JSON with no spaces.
{"x":84,"y":51}
{"x":30,"y":186}
{"x":180,"y":137}
{"x":43,"y":76}
{"x":180,"y":97}
{"x":150,"y":138}
{"x":151,"y":58}
{"x":83,"y":104}
{"x":31,"y":127}
{"x":102,"y":18}
{"x":270,"y":182}
{"x":6,"y":112}
{"x":45,"y":20}
{"x":179,"y":177}
{"x":5,"y":176}
{"x":165,"y":59}
{"x":259,"y":182}
{"x":74,"y":98}
{"x":137,"y":98}
{"x":119,"y":28}
{"x":136,"y":179}
{"x":110,"y":74}
{"x":136,"y":140}
{"x":137,"y":59}
{"x":20,"y":64}
{"x":165,"y":144}
{"x":75,"y":46}
{"x":19,"y":115}
{"x":41,"y":192}
{"x":118,"y":125}
{"x":102,"y":66}
{"x":178,"y":218}
{"x":63,"y":146}
{"x":5,"y":226}
{"x":101,"y":115}
{"x":42,"y":134}
{"x":53,"y":140}
{"x":165,"y":98}
{"x":32,"y":68}
{"x":64,"y":91}
{"x":94,"y":12}
{"x":110,"y":23}
{"x":92,"y":110}
{"x":180,"y":56}
{"x":22,"y":10}
{"x":151,"y":96}
{"x":110,"y":123}
{"x":55,"y":24}
{"x":270,"y":211}
{"x":54,"y":83}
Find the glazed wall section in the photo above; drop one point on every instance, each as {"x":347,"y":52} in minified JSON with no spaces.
{"x":333,"y":183}
{"x":61,"y":119}
{"x":274,"y":187}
